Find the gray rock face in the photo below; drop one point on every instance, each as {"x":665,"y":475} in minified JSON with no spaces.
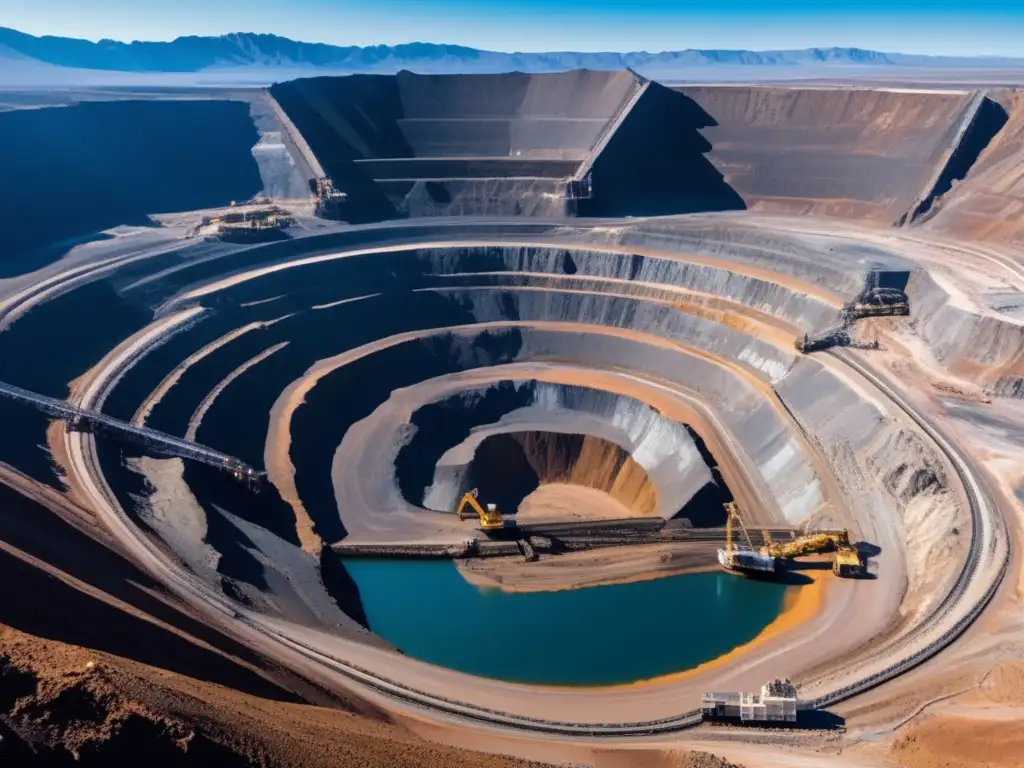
{"x":644,"y":274}
{"x":982,"y":346}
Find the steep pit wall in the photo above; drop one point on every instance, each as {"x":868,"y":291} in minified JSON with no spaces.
{"x":989,"y":203}
{"x":70,"y":172}
{"x":849,"y":152}
{"x":468,"y":144}
{"x":457,"y":287}
{"x":543,"y":198}
{"x":657,"y":453}
{"x":829,"y":271}
{"x":657,"y":162}
{"x":644,"y":274}
{"x":283,"y":165}
{"x":557,"y":116}
{"x":787,"y":472}
{"x":577,"y":476}
{"x":975,"y":343}
{"x":776,"y":463}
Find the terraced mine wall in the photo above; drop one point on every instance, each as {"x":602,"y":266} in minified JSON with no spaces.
{"x":657,"y":162}
{"x":766,"y":433}
{"x":988,"y":204}
{"x":983,"y":346}
{"x":696,"y":315}
{"x":465,"y":292}
{"x":870,"y":155}
{"x":417,"y":145}
{"x":537,"y":432}
{"x":71,"y":172}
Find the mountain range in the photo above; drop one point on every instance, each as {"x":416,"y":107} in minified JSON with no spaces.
{"x":261,"y":59}
{"x":20,"y":51}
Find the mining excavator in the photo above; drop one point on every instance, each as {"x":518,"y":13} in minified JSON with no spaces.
{"x":490,"y":518}
{"x":847,"y":561}
{"x":808,"y":544}
{"x":742,"y":558}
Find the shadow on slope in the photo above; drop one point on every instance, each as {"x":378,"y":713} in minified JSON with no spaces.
{"x":988,"y":121}
{"x":444,"y":424}
{"x":48,"y":607}
{"x":655,"y":163}
{"x":71,"y":172}
{"x":344,"y":119}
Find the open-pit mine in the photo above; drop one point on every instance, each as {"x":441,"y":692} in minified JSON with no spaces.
{"x":536,"y":411}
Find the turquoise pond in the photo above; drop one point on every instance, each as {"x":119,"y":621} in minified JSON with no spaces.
{"x":604,"y":635}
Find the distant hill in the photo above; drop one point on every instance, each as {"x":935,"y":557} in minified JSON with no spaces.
{"x":252,"y":51}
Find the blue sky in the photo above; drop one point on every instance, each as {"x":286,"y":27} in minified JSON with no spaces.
{"x":963,"y":27}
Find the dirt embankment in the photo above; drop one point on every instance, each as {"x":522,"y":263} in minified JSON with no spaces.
{"x":99,"y":666}
{"x":575,"y":570}
{"x":591,"y":462}
{"x":66,"y":705}
{"x":679,"y":758}
{"x":955,"y":742}
{"x":1005,"y":684}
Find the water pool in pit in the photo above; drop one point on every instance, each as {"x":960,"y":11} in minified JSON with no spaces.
{"x":603,"y":635}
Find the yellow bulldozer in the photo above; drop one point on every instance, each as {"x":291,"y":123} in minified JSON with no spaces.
{"x":490,"y":518}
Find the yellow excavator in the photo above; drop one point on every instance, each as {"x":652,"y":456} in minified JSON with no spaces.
{"x":808,"y":544}
{"x":847,"y":561}
{"x":490,"y":518}
{"x":736,"y":558}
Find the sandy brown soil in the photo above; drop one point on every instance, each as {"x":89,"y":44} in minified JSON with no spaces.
{"x":680,"y":758}
{"x":593,"y":463}
{"x":1005,"y":684}
{"x":562,"y":501}
{"x":98,"y":665}
{"x":586,"y":569}
{"x":73,"y":704}
{"x":961,"y":742}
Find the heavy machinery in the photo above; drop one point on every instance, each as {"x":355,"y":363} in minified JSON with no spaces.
{"x":490,"y":518}
{"x":847,"y":563}
{"x":808,"y":544}
{"x":742,"y":558}
{"x":328,"y":202}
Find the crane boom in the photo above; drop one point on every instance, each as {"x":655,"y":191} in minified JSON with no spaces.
{"x":734,"y":514}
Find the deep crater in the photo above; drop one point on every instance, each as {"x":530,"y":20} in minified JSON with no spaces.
{"x":472,"y":323}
